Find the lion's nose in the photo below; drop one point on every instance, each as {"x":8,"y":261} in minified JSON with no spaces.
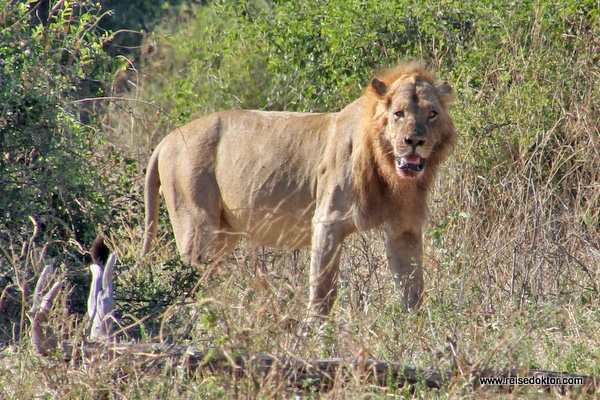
{"x":414,"y":141}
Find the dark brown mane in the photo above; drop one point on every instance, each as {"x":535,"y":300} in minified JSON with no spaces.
{"x":375,"y":181}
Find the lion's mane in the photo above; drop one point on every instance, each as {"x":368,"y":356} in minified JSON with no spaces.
{"x":375,"y":180}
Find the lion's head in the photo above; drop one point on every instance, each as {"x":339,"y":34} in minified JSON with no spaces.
{"x":406,"y":131}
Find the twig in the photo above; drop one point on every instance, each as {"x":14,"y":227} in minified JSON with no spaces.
{"x":116,"y":98}
{"x":43,"y":337}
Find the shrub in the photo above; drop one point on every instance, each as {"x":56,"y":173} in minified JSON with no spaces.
{"x":47,"y":141}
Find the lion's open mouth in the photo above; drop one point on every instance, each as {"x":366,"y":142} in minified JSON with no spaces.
{"x":411,"y":162}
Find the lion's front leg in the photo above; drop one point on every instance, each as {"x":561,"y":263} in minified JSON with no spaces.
{"x":327,"y":241}
{"x":404,"y":249}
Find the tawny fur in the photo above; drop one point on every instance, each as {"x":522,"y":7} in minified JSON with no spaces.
{"x":293,"y":179}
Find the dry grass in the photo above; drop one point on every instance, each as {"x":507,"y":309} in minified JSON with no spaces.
{"x":509,"y":282}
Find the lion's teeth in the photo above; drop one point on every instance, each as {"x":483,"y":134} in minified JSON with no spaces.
{"x":402,"y":164}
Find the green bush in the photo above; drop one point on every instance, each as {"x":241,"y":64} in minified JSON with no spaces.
{"x":46,"y":149}
{"x":301,"y":55}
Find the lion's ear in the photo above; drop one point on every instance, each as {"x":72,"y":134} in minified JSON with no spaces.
{"x":445,"y":91}
{"x":379,"y":86}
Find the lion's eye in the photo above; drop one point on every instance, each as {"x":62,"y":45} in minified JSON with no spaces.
{"x":432,"y":114}
{"x":399,"y":114}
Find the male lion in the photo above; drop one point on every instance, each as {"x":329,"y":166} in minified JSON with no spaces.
{"x":287,"y":179}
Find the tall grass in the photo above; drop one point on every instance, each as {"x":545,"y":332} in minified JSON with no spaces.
{"x":512,"y":248}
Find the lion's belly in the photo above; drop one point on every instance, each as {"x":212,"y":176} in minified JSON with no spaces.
{"x":274,"y":230}
{"x":273,"y":209}
{"x":277,"y":226}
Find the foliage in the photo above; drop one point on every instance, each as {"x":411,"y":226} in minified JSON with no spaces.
{"x":130,"y":21}
{"x":45,"y":147}
{"x":514,"y":228}
{"x":310,"y":56}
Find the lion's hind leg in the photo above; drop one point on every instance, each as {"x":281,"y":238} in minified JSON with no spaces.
{"x":216,"y":252}
{"x":195,"y":211}
{"x":201,"y":238}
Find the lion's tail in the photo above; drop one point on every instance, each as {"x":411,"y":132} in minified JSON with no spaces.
{"x":152,"y":200}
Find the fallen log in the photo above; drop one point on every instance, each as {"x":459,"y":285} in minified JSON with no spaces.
{"x":298,"y":371}
{"x":321,"y":372}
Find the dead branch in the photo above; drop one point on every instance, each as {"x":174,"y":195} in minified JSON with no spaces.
{"x":42,"y":336}
{"x":101,"y":302}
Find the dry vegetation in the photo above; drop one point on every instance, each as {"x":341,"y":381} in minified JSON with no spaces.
{"x":512,"y":259}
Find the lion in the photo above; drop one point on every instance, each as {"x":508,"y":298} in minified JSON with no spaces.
{"x":290,"y":179}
